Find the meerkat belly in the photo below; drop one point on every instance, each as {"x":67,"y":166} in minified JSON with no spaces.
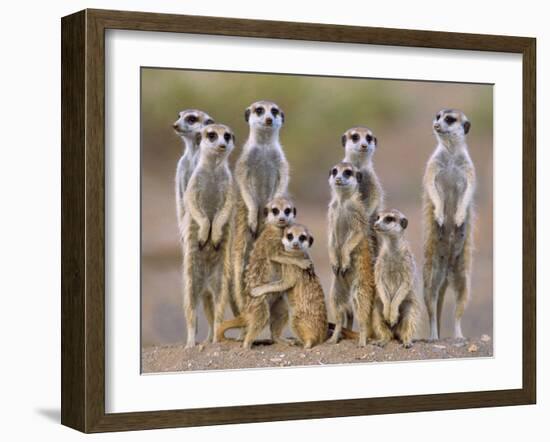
{"x":451,"y":183}
{"x":213,"y":199}
{"x":392,"y":276}
{"x":266,"y":178}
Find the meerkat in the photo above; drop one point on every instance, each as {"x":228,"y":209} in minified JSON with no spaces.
{"x":302,"y":286}
{"x":360,"y":144}
{"x":395,"y":309}
{"x":261,"y":173}
{"x":188,"y":124}
{"x":257,"y":313}
{"x":209,"y":201}
{"x":349,"y":251}
{"x":449,"y":184}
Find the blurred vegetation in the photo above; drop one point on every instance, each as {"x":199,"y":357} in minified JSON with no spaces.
{"x":317,"y":111}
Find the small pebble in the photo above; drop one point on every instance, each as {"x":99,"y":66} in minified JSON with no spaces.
{"x":485,"y":338}
{"x":275,"y":359}
{"x":472,"y":348}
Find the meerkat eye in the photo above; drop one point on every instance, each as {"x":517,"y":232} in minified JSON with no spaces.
{"x":209,"y":121}
{"x":369,"y":138}
{"x":334,"y":172}
{"x":212,"y":136}
{"x":348,"y":173}
{"x":389,"y":219}
{"x":449,"y":119}
{"x":355,"y":138}
{"x":259,"y":111}
{"x":275,"y":211}
{"x":275,"y":112}
{"x":377,"y":217}
{"x":191,"y":119}
{"x":287,"y":211}
{"x":290,"y":237}
{"x":227,"y":136}
{"x":302,"y":238}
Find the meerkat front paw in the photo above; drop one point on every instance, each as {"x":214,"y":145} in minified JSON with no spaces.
{"x":204,"y":235}
{"x":460,"y":217}
{"x":394,"y":317}
{"x":407,"y":344}
{"x":256,"y":291}
{"x":335,"y":268}
{"x":306,"y":264}
{"x":253,"y":227}
{"x":439,"y":217}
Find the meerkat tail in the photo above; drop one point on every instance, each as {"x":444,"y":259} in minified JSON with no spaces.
{"x":347,"y":333}
{"x":237,"y":322}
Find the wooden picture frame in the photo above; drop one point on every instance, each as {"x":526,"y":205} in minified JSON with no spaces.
{"x":83,"y":220}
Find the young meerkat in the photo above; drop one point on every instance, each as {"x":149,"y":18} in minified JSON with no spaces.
{"x":360,"y":144}
{"x":261,"y":173}
{"x":395,"y":310}
{"x":256,"y":313}
{"x":188,"y":124}
{"x":349,"y":251}
{"x":303,"y":289}
{"x":209,"y":201}
{"x":449,"y":184}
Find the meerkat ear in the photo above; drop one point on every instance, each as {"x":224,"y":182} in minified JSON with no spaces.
{"x":233,"y":136}
{"x":247,"y":114}
{"x":282,"y":117}
{"x":467,"y":126}
{"x":404,"y":223}
{"x":344,"y":140}
{"x":376,"y":141}
{"x":198,"y":138}
{"x":294,"y":211}
{"x":310,"y":240}
{"x":266,"y":211}
{"x":359,"y":176}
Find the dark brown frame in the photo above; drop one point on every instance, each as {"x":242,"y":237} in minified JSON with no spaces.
{"x":83,"y":217}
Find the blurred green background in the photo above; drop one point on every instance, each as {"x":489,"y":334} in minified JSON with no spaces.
{"x":317,"y":110}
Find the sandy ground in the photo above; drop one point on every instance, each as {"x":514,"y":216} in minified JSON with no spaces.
{"x":230,"y":355}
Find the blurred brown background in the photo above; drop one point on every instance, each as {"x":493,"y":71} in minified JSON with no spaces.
{"x":317,"y":110}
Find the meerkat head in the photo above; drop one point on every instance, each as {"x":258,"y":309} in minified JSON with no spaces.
{"x":391,"y":222}
{"x":344,"y":177}
{"x":451,"y":125}
{"x":297,"y":238}
{"x":190,"y":121}
{"x":359,"y":142}
{"x":280,"y":212}
{"x":264,"y":115}
{"x":215,"y":140}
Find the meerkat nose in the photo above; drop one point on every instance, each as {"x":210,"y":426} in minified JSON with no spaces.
{"x":175,"y":125}
{"x":437,"y":126}
{"x":269,"y":121}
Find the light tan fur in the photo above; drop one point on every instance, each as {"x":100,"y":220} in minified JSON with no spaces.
{"x":349,"y":252}
{"x":188,"y":124}
{"x":395,"y":311}
{"x":449,"y":184}
{"x":256,"y":313}
{"x":209,"y":201}
{"x":261,"y":173}
{"x":304,"y":291}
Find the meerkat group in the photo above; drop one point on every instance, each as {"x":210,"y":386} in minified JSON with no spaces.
{"x":242,"y":248}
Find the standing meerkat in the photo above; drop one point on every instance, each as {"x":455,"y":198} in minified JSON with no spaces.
{"x":302,"y":286}
{"x":258,"y":312}
{"x":449,"y":184}
{"x":360,"y":144}
{"x":349,"y":251}
{"x":261,"y":173}
{"x":209,"y":201}
{"x":395,"y":309}
{"x":188,"y":124}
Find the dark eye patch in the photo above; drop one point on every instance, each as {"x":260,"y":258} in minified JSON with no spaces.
{"x":290,"y":237}
{"x":389,"y":219}
{"x":302,"y":238}
{"x":368,"y":138}
{"x":438,"y":116}
{"x":355,"y":138}
{"x":275,"y":211}
{"x":449,"y":119}
{"x":212,"y":136}
{"x":287,"y":211}
{"x":348,"y":173}
{"x":334,"y":172}
{"x":259,"y":111}
{"x":227,"y":136}
{"x":274,"y":111}
{"x":191,"y":119}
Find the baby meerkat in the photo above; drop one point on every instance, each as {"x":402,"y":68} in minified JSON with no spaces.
{"x":449,"y":184}
{"x":188,"y":124}
{"x":209,"y":201}
{"x":256,"y":313}
{"x":261,"y":173}
{"x":349,"y":251}
{"x":305,"y":295}
{"x":395,"y":310}
{"x":360,"y":145}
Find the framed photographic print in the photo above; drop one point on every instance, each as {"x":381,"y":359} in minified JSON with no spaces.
{"x":267,"y":221}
